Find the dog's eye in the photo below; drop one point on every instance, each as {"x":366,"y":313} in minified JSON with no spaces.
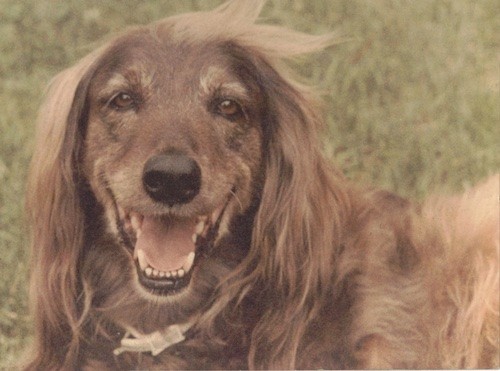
{"x":230,"y":109}
{"x":122,"y":101}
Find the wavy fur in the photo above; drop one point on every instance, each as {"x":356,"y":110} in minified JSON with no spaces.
{"x":310,"y":271}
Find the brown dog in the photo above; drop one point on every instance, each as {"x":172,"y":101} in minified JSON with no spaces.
{"x":184,"y":217}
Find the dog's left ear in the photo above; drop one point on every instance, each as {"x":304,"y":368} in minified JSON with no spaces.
{"x":56,"y":216}
{"x":298,"y":223}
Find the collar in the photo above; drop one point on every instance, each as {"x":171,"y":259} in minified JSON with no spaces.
{"x":155,"y":342}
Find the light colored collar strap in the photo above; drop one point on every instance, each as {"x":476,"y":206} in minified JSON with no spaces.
{"x":156,"y":342}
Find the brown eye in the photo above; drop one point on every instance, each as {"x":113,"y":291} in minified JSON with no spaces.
{"x":230,"y":109}
{"x":122,"y":101}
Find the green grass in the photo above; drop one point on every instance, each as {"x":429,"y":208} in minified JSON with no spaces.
{"x":411,"y":99}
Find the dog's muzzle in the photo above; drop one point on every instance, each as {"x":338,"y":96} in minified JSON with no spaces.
{"x":167,"y":247}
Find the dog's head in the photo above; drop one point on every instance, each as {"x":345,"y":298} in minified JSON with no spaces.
{"x":181,"y":148}
{"x":172,"y":148}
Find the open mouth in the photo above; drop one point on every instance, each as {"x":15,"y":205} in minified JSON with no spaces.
{"x":166,"y":248}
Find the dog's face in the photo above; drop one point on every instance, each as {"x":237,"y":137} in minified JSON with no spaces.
{"x":173,"y":145}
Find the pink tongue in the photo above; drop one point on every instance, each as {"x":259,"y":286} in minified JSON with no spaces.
{"x":166,"y":243}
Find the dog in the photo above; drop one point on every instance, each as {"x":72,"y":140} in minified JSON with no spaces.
{"x":183,"y":216}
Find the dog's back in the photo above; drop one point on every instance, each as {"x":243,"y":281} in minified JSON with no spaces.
{"x":426,"y":280}
{"x":464,"y":274}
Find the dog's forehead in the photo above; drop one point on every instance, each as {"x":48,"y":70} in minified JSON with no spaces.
{"x":146,"y":61}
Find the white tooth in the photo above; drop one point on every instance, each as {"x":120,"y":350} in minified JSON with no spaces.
{"x":180,"y":273}
{"x":141,"y":257}
{"x":121,"y":212}
{"x":168,"y":274}
{"x":135,"y":221}
{"x":188,"y":264}
{"x":155,"y":273}
{"x":148,"y":271}
{"x":174,"y":274}
{"x":200,"y":227}
{"x":194,"y":237}
{"x":161,"y":274}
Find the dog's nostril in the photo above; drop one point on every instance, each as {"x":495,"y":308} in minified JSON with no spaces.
{"x":172,"y":178}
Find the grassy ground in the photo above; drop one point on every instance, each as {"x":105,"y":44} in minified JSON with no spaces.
{"x":412,"y":98}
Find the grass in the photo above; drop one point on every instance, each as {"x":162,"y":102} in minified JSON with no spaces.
{"x":411,"y":99}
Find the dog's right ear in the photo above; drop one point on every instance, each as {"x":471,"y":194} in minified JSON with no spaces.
{"x":56,"y":217}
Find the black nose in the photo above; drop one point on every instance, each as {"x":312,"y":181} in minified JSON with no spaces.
{"x":171,"y":178}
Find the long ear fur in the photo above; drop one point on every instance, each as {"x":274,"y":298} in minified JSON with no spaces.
{"x":297,"y":225}
{"x":56,"y":218}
